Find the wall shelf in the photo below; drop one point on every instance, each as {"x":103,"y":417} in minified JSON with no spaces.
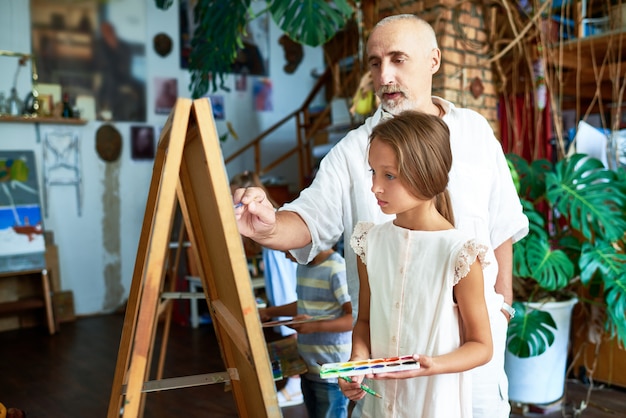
{"x":49,"y":120}
{"x":581,"y":81}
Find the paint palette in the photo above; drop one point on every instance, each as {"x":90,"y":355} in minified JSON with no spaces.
{"x":297,"y":321}
{"x":371,"y":366}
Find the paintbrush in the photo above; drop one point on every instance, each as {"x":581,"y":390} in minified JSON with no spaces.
{"x":363,"y":386}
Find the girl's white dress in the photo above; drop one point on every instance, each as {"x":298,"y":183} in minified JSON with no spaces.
{"x":412,"y":311}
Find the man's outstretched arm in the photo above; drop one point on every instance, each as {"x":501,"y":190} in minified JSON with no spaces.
{"x":259,"y":220}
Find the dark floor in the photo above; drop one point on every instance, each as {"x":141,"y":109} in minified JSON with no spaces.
{"x":69,"y":374}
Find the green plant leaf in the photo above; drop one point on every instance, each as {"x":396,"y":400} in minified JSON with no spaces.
{"x":163,"y":4}
{"x":605,"y":261}
{"x":577,"y":219}
{"x":311,"y":22}
{"x":536,"y":231}
{"x":536,"y":221}
{"x":514,"y":175}
{"x":215,"y":42}
{"x":220,"y":25}
{"x":552,"y":269}
{"x":534,"y":258}
{"x":522,"y":171}
{"x":602,"y":259}
{"x":531,"y":176}
{"x":615,"y":297}
{"x":589,"y":196}
{"x":571,"y":245}
{"x":539,"y":170}
{"x":530,"y":332}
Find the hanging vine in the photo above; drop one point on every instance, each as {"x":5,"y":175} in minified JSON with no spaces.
{"x":220,"y":27}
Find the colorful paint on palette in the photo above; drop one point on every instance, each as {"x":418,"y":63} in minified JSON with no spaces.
{"x":371,"y":366}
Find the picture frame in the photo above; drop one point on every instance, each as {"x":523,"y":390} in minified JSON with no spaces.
{"x":46,"y":105}
{"x":142,"y":142}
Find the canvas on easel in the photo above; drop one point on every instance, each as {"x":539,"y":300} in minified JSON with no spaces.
{"x":22,"y":245}
{"x":189,"y":171}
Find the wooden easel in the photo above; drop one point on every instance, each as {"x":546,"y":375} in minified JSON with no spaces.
{"x":189,"y":169}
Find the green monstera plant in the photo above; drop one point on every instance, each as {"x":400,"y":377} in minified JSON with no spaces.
{"x":221,"y":25}
{"x":576,"y":246}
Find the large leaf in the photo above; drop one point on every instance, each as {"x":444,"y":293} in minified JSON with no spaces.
{"x":604,"y":260}
{"x":550,"y":268}
{"x":571,"y":245}
{"x":534,"y":259}
{"x":514,"y":175}
{"x":530,"y":332}
{"x":615,"y":297}
{"x":536,"y":221}
{"x":589,"y":196}
{"x":609,"y":264}
{"x":531,"y":176}
{"x":311,"y":22}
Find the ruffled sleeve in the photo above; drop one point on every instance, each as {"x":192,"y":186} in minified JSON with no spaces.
{"x":358,"y":241}
{"x":470,"y":251}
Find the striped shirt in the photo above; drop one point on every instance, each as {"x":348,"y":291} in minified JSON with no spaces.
{"x":323,"y":290}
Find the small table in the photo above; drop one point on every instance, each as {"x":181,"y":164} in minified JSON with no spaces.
{"x":32,"y":303}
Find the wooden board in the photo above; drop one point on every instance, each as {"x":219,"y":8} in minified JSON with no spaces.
{"x":189,"y":171}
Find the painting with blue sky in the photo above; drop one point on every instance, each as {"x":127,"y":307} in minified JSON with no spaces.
{"x":21,"y":228}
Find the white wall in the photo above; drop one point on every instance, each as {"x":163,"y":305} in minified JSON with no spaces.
{"x":92,"y":266}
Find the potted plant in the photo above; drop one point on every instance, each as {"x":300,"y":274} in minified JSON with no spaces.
{"x":575,"y":250}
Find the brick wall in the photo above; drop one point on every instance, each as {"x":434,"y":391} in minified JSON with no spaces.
{"x":462,"y":37}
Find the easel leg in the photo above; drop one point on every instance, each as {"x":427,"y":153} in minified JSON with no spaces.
{"x":132,"y":306}
{"x":45,"y":280}
{"x":123,"y":358}
{"x":172,"y":274}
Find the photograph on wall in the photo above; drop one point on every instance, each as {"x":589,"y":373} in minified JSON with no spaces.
{"x":166,"y":94}
{"x":217,"y":104}
{"x":262,"y":93}
{"x":95,"y":52}
{"x":142,"y":142}
{"x":252,"y":58}
{"x":22,"y":245}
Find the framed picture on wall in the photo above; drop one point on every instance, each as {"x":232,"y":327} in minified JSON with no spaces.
{"x":142,"y":142}
{"x":166,"y":94}
{"x":46,"y":104}
{"x":94,"y":50}
{"x":217,"y":103}
{"x":262,"y":93}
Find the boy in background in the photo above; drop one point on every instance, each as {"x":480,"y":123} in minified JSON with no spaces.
{"x":322,"y":291}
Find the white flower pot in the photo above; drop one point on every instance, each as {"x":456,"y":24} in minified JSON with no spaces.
{"x":541,"y":379}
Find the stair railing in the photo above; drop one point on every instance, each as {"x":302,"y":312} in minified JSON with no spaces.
{"x":305,"y":133}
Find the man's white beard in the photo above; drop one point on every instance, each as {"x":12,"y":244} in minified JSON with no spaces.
{"x":396,"y":107}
